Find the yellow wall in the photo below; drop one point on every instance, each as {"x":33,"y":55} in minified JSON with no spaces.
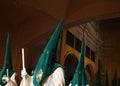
{"x":67,"y":50}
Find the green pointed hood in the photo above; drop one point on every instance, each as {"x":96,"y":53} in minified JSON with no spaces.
{"x":97,"y":81}
{"x":106,"y":80}
{"x":115,"y":78}
{"x":79,"y":76}
{"x":7,"y":61}
{"x":46,"y":61}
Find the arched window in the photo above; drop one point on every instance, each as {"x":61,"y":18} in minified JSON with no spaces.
{"x":70,"y":67}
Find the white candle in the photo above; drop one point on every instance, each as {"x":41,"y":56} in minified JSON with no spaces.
{"x":23,"y":59}
{"x":7,"y":72}
{"x":23,"y":62}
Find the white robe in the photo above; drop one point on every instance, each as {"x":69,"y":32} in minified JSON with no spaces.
{"x":12,"y":81}
{"x":27,"y":81}
{"x":55,"y":79}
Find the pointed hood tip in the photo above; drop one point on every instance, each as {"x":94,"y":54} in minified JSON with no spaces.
{"x":8,"y":39}
{"x":8,"y":36}
{"x":8,"y":47}
{"x":8,"y":33}
{"x":52,"y":43}
{"x":60,"y":21}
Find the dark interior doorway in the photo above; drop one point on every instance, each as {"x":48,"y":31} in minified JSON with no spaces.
{"x":88,"y":73}
{"x":70,"y":67}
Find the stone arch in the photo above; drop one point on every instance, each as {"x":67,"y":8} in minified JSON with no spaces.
{"x":89,"y":71}
{"x":71,"y":61}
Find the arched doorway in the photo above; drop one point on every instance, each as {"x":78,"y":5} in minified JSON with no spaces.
{"x":88,"y":72}
{"x":70,"y":67}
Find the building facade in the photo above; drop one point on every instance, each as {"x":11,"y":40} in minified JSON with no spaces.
{"x":69,"y":49}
